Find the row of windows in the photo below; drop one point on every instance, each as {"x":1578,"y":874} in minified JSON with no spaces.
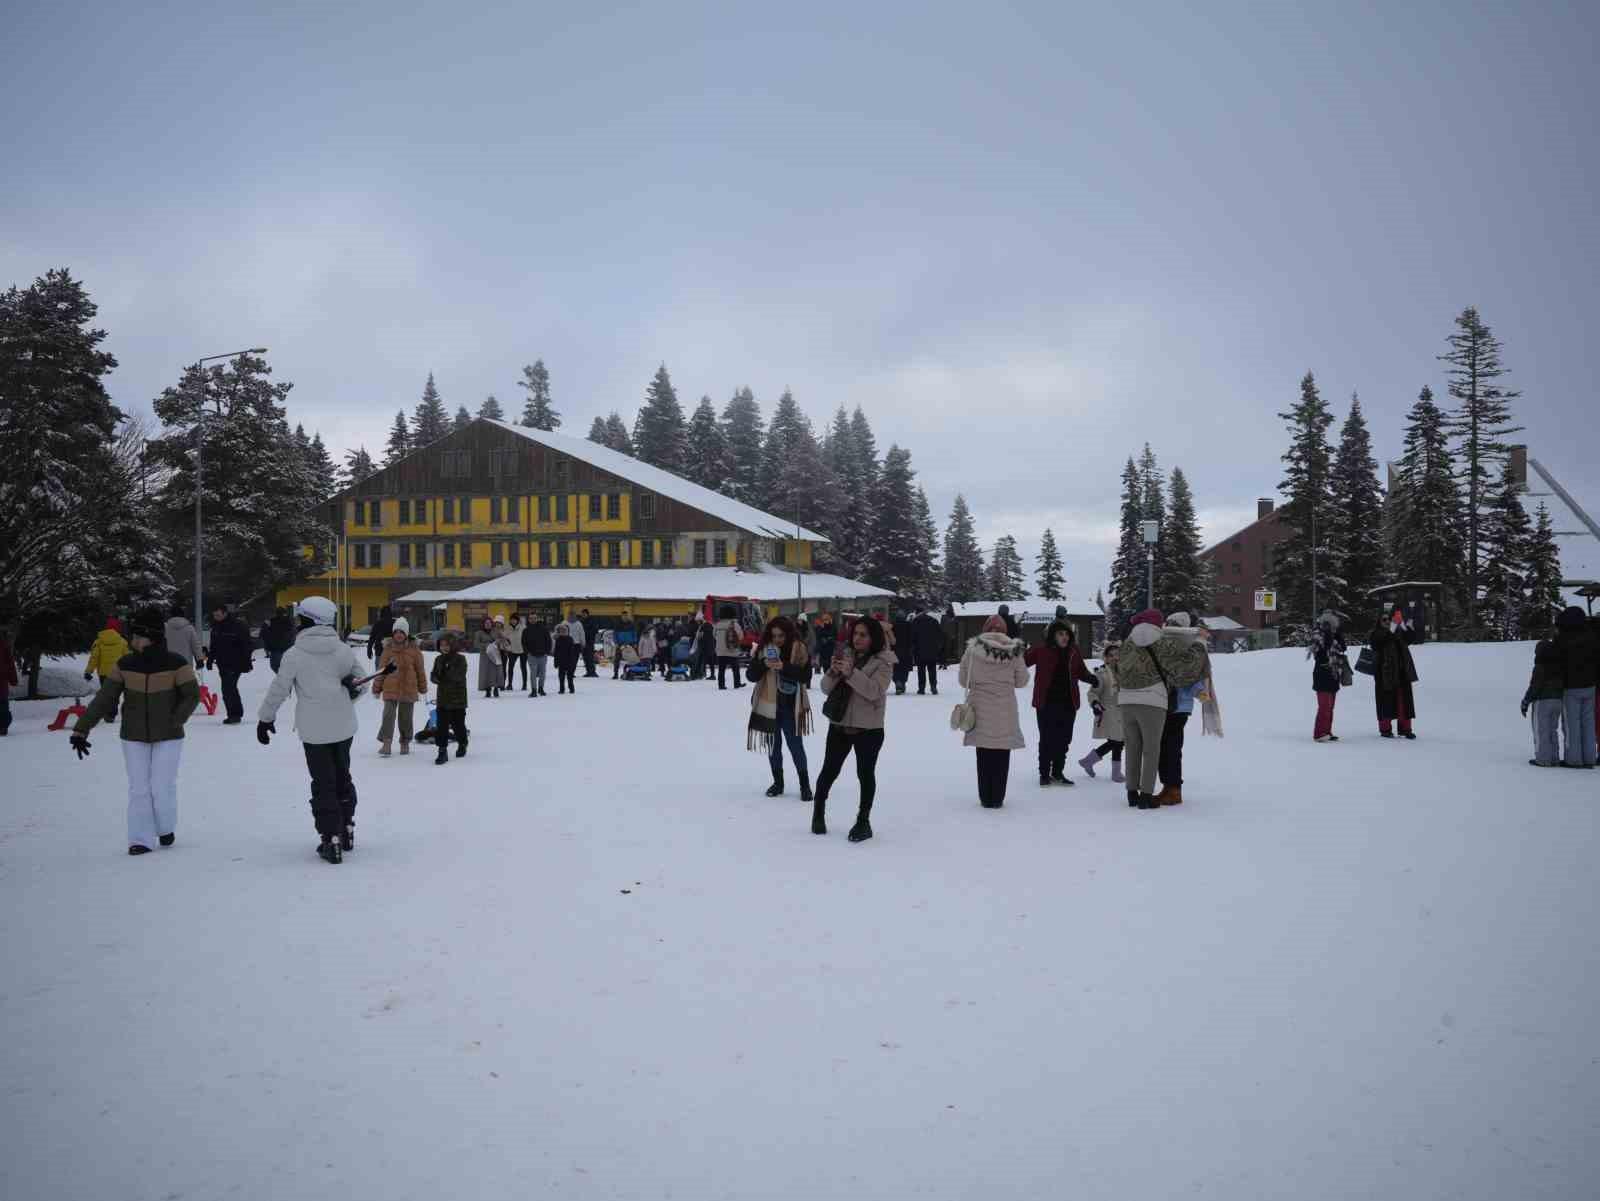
{"x":550,"y":553}
{"x":458,"y":510}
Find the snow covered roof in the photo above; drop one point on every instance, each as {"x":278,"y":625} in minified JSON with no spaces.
{"x":1034,"y":609}
{"x":735,"y":513}
{"x":769,"y":583}
{"x":1220,"y":624}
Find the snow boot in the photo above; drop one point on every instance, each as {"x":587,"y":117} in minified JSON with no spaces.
{"x":818,"y":809}
{"x":1172,"y":794}
{"x":1385,"y":734}
{"x":329,"y":849}
{"x":1058,"y":777}
{"x":805,"y":785}
{"x":385,"y":748}
{"x":444,"y":754}
{"x":1116,"y":772}
{"x":1408,"y":735}
{"x":1088,"y":762}
{"x":405,"y":748}
{"x":168,"y":839}
{"x":1044,"y":780}
{"x":1146,"y":801}
{"x":1133,"y":799}
{"x":347,"y":840}
{"x":862,"y":830}
{"x":461,"y":749}
{"x":138,"y":849}
{"x":776,"y":787}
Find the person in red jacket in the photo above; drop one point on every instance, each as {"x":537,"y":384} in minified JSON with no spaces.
{"x":1058,"y":667}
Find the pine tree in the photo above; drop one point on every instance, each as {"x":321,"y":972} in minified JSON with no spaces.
{"x":1152,"y":492}
{"x":617,"y":436}
{"x":788,"y":455}
{"x":1543,"y":578}
{"x":1356,"y":522}
{"x":358,"y":465}
{"x":895,"y":559}
{"x":597,"y":431}
{"x":742,"y":436}
{"x":537,"y":411}
{"x":399,"y":444}
{"x":430,"y":422}
{"x":857,"y":518}
{"x":930,"y":585}
{"x":964,"y":575}
{"x":1048,"y":580}
{"x":1303,"y":573}
{"x":490,"y":408}
{"x":1482,"y":423}
{"x":852,"y":523}
{"x":1006,"y":579}
{"x":708,"y":455}
{"x":322,"y":468}
{"x":1423,"y":514}
{"x":462,"y":419}
{"x":1182,"y":583}
{"x":1505,"y":564}
{"x":1128,"y":574}
{"x":659,"y":432}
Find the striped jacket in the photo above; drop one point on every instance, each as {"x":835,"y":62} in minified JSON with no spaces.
{"x":157,"y":690}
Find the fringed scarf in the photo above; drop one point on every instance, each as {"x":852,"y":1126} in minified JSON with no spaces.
{"x":761,"y":732}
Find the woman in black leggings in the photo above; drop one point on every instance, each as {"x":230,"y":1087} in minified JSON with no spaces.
{"x":862,"y":666}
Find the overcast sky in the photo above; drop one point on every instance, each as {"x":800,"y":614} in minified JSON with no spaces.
{"x":1025,"y":238}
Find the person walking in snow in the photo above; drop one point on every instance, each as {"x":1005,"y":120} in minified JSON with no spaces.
{"x":321,"y":670}
{"x":1394,"y":672}
{"x":183,"y":639}
{"x":158,"y":691}
{"x":536,"y":644}
{"x":647,"y":648}
{"x":109,"y":647}
{"x":514,"y":654}
{"x":1107,"y":712}
{"x":993,"y":667}
{"x":905,"y":652}
{"x":401,"y":688}
{"x":1170,"y":767}
{"x":449,"y":676}
{"x":588,"y":630}
{"x":1058,"y":668}
{"x":1579,"y":644}
{"x":277,"y":636}
{"x":780,"y":705}
{"x":1151,"y":664}
{"x":378,"y":635}
{"x":8,"y":680}
{"x":230,"y":652}
{"x":1327,"y":655}
{"x":566,"y":656}
{"x":863,"y":667}
{"x":728,"y":638}
{"x":1013,"y":626}
{"x":1545,"y":695}
{"x":486,"y":641}
{"x":927,"y":645}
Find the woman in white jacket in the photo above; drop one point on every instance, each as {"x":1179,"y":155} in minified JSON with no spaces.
{"x":992,"y":669}
{"x":321,"y":670}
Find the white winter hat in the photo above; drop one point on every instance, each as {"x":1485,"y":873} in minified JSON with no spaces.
{"x":402,"y":626}
{"x":1180,"y":620}
{"x":319,"y":610}
{"x":499,"y":619}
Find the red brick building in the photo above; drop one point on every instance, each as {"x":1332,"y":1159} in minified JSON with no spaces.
{"x":1241,"y":562}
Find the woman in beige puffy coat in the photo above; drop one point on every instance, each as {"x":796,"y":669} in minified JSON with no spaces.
{"x":992,"y":669}
{"x":401,"y":689}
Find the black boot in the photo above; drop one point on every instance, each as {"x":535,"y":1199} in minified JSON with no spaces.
{"x":461,"y":749}
{"x":1133,"y":798}
{"x":329,"y":850}
{"x":444,"y":753}
{"x":1044,"y":780}
{"x":1148,"y":801}
{"x":776,"y":788}
{"x":347,"y":841}
{"x":805,"y":785}
{"x":168,"y":839}
{"x":818,"y":807}
{"x":862,"y":830}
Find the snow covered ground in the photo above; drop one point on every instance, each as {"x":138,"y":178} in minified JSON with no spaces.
{"x":592,"y":960}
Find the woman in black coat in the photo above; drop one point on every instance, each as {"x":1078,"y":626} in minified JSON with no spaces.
{"x":1393,"y":673}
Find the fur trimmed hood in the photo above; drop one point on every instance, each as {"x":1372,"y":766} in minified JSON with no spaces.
{"x":998,"y":646}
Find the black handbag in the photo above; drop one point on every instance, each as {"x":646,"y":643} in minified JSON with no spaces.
{"x":838,"y":702}
{"x":1367,"y":662}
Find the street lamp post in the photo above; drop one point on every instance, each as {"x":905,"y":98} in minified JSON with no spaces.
{"x":1151,"y":531}
{"x":199,"y":473}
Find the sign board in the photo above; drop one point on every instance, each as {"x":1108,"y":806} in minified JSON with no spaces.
{"x":1266,"y":600}
{"x":1152,"y":531}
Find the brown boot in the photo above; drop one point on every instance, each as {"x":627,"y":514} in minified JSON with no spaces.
{"x":383,"y":748}
{"x":1170,"y":795}
{"x":405,"y":748}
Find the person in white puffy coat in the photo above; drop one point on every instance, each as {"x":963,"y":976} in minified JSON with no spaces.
{"x":321,"y":670}
{"x":992,"y":669}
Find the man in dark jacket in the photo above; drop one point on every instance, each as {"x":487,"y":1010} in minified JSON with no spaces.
{"x":537,"y":645}
{"x":1580,"y":670}
{"x":928,"y":646}
{"x":379,"y":634}
{"x":277,"y":636}
{"x":905,"y":652}
{"x":229,"y":650}
{"x":1013,"y":626}
{"x":591,"y":632}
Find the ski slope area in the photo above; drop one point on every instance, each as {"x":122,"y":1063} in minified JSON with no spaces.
{"x":592,"y":960}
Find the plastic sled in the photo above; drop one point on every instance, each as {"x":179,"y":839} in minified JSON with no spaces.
{"x":209,"y":700}
{"x":75,"y":709}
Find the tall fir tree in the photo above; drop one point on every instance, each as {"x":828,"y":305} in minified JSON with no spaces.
{"x":708,"y":453}
{"x":597,"y":431}
{"x":617,"y":436}
{"x":788,"y":457}
{"x":1182,"y":582}
{"x":742,"y":437}
{"x":1504,"y":569}
{"x":895,"y":561}
{"x":1128,"y":574}
{"x":1152,"y":491}
{"x":537,"y":411}
{"x":930,"y":587}
{"x":358,"y":465}
{"x":399,"y":444}
{"x":1543,"y":577}
{"x":659,"y":431}
{"x":1423,"y":515}
{"x":1481,"y":423}
{"x":462,"y":419}
{"x":1356,"y":521}
{"x":322,"y":468}
{"x":1304,"y":571}
{"x":1006,"y":579}
{"x":856,"y":464}
{"x":839,"y":452}
{"x":491,"y":409}
{"x":1049,"y":580}
{"x":430,"y":421}
{"x":964,"y":575}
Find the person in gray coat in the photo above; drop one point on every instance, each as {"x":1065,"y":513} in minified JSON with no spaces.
{"x":183,"y":639}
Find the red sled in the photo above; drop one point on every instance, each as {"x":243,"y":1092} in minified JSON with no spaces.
{"x":209,"y":700}
{"x":72,"y":710}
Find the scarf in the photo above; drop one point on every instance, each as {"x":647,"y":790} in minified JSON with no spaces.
{"x":761,"y":732}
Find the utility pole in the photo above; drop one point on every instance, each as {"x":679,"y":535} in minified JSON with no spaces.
{"x":1151,"y":531}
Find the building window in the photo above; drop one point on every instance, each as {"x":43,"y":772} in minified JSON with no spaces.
{"x":465,"y":509}
{"x":503,"y":463}
{"x":1238,"y":569}
{"x":668,"y":552}
{"x":615,"y":552}
{"x":700,"y":551}
{"x":614,"y":507}
{"x":563,"y":555}
{"x":419,"y":512}
{"x":594,"y":506}
{"x":447,"y":510}
{"x":544,"y":510}
{"x":563,"y":473}
{"x":647,"y":553}
{"x":466,"y":554}
{"x":455,"y":464}
{"x":361,"y":513}
{"x":375,"y":516}
{"x":1236,"y":610}
{"x":496,"y":554}
{"x":419,"y":554}
{"x":544,"y":554}
{"x":449,"y":554}
{"x":561,"y":507}
{"x":405,"y":511}
{"x":647,"y":505}
{"x":361,"y":554}
{"x":405,"y":554}
{"x":1237,"y":545}
{"x":594,"y":552}
{"x":720,"y":547}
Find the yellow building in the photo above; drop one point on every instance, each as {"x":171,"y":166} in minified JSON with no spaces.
{"x":493,"y":499}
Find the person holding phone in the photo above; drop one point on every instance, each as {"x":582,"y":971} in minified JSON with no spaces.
{"x":780,"y":707}
{"x":863,"y":667}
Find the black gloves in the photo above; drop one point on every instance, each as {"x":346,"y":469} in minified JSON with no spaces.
{"x":1524,"y":708}
{"x":80,"y":743}
{"x":264,"y":732}
{"x":88,"y":675}
{"x":349,"y":683}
